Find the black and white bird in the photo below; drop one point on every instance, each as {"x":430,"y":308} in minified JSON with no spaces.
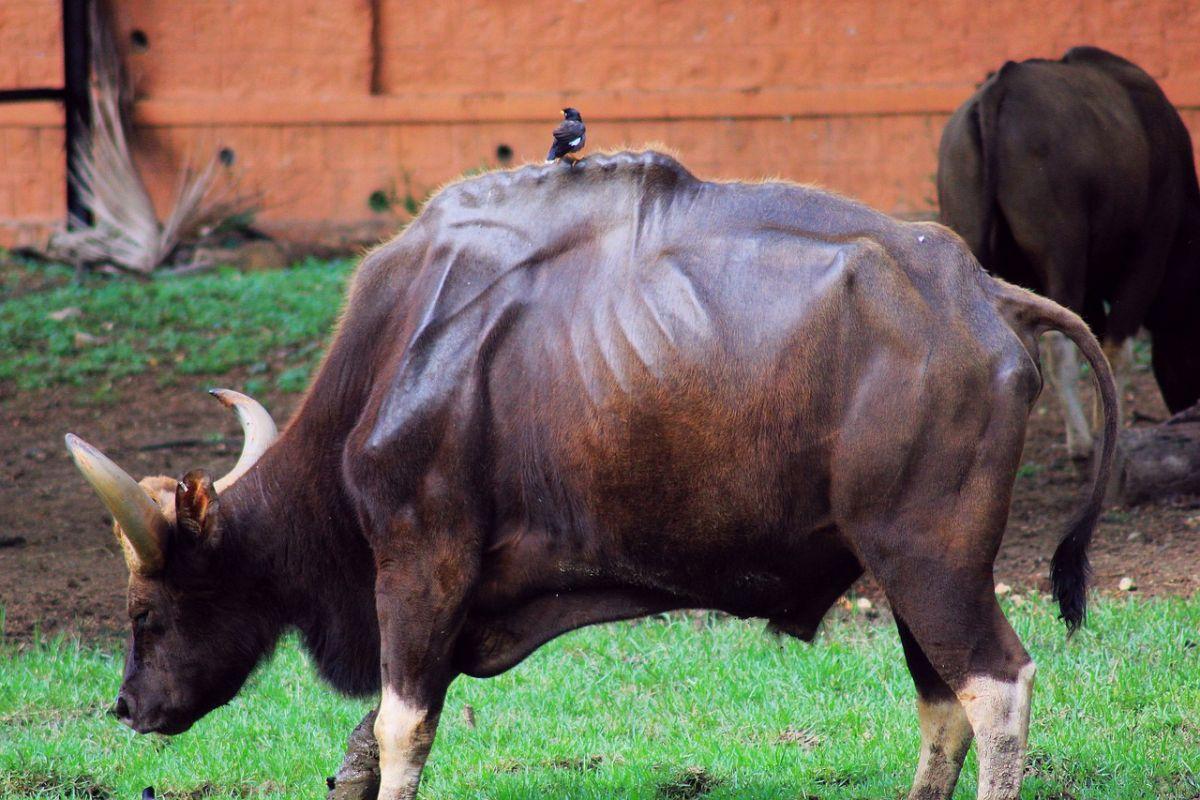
{"x":569,"y":136}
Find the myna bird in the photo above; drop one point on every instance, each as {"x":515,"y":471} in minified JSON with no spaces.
{"x":569,"y":136}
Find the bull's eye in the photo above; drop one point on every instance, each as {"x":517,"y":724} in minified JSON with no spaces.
{"x":140,"y":620}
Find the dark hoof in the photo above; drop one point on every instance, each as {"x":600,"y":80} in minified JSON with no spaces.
{"x":358,"y":777}
{"x":357,"y":788}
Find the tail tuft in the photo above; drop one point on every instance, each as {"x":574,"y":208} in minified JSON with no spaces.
{"x":1070,"y":570}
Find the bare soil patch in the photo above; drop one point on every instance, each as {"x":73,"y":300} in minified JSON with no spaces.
{"x":64,"y":570}
{"x":60,"y":569}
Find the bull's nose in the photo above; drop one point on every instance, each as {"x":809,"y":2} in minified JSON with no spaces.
{"x":120,"y":709}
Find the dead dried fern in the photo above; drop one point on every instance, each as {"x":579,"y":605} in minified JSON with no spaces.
{"x":124,"y":231}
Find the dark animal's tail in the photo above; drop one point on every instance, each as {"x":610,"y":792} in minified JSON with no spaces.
{"x":1069,"y":570}
{"x":987,"y":115}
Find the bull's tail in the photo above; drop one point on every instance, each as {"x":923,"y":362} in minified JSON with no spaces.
{"x":1069,"y":570}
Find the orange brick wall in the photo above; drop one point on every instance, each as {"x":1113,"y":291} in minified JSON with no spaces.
{"x":32,"y":171}
{"x":30,"y":43}
{"x":851,"y":94}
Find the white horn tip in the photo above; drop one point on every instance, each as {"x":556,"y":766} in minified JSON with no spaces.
{"x":228,"y":397}
{"x":78,"y":447}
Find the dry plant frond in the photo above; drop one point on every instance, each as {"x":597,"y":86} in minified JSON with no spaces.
{"x":125,"y":231}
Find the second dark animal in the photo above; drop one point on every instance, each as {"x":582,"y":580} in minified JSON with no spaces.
{"x":1075,"y":179}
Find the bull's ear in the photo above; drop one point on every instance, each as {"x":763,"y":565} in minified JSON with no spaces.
{"x":196,"y":507}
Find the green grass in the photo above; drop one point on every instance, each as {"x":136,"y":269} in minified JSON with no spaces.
{"x":656,"y":710}
{"x":661,"y":710}
{"x":272,"y":323}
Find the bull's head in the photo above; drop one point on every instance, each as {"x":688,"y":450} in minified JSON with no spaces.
{"x":194,"y":639}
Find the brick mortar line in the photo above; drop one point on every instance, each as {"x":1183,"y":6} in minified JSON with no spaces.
{"x":482,"y":109}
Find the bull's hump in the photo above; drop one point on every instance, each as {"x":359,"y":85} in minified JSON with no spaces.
{"x":543,"y":208}
{"x":629,"y":170}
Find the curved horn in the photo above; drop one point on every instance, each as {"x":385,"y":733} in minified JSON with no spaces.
{"x":138,"y":516}
{"x":257,"y":426}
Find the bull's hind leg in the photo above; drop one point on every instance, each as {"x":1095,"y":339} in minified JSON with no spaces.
{"x":945,"y":730}
{"x":951,"y":610}
{"x":931,"y":546}
{"x":937,"y":572}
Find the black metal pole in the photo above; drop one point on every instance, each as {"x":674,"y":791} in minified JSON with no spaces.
{"x":76,"y":58}
{"x":29,"y":95}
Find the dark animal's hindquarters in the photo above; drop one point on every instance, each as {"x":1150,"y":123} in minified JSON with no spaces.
{"x":966,"y":200}
{"x":971,"y":156}
{"x":1075,"y":178}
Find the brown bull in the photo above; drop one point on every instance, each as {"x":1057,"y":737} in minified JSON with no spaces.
{"x":564,"y":397}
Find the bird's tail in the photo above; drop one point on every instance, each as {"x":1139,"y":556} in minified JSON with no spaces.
{"x":553,"y":154}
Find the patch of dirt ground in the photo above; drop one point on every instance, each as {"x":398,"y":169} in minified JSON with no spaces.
{"x":60,"y":569}
{"x":60,"y":566}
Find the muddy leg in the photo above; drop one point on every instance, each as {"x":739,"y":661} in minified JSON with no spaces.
{"x":998,"y":708}
{"x":945,"y":731}
{"x":957,"y":641}
{"x":954,"y":618}
{"x":358,"y":777}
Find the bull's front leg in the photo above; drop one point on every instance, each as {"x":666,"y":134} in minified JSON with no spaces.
{"x":419,"y":597}
{"x":405,"y":729}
